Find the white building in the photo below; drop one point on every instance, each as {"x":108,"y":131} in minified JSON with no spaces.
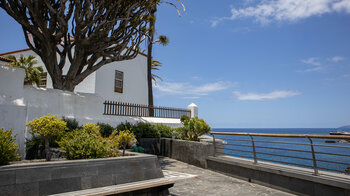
{"x":123,"y":81}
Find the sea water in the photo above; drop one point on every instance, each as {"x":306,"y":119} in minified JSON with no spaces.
{"x":291,"y":161}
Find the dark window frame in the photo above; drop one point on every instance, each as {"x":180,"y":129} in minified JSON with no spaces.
{"x":118,"y":81}
{"x":43,"y":80}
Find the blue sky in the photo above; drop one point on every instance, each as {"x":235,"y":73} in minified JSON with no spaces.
{"x":249,"y":63}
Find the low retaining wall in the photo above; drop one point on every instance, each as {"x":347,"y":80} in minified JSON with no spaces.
{"x":194,"y":153}
{"x":64,"y":176}
{"x":287,"y":178}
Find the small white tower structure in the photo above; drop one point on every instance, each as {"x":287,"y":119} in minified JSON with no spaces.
{"x":194,"y":110}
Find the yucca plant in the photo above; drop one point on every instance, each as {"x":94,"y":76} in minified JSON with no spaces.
{"x":33,"y":74}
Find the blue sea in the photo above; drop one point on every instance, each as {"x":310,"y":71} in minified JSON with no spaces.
{"x":331,"y":147}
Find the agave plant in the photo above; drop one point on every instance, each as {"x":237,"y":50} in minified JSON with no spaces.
{"x":33,"y":74}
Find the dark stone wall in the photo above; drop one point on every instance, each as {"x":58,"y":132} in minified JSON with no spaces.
{"x":64,"y":176}
{"x":295,"y":182}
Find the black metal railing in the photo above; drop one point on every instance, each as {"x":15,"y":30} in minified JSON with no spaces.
{"x":130,"y":109}
{"x":309,"y":151}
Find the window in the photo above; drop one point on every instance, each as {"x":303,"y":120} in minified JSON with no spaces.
{"x":43,"y":80}
{"x":118,"y":82}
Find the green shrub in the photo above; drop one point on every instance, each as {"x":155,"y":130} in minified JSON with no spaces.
{"x":145,"y":130}
{"x":47,"y":126}
{"x":123,"y":138}
{"x":8,"y":148}
{"x":106,"y":129}
{"x":35,"y":147}
{"x":164,"y":130}
{"x":125,"y":126}
{"x":86,"y":143}
{"x":184,"y":118}
{"x":194,"y":128}
{"x":72,"y":123}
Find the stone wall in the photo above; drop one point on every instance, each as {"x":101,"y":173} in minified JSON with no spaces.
{"x":194,"y":153}
{"x":295,"y":180}
{"x":64,"y":176}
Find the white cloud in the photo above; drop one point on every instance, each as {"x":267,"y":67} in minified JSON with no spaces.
{"x":336,"y":58}
{"x":189,"y":89}
{"x":286,"y":10}
{"x":311,"y":61}
{"x":314,"y":62}
{"x":265,"y":96}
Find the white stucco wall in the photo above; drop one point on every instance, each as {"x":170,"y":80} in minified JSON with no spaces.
{"x":20,"y":104}
{"x":134,"y":85}
{"x":101,"y":82}
{"x":12,"y":106}
{"x":86,"y":86}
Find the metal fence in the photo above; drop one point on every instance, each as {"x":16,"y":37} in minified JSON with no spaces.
{"x":318,"y":152}
{"x":129,"y":109}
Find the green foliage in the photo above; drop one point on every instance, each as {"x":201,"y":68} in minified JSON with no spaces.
{"x":47,"y":126}
{"x":8,"y":148}
{"x":86,"y":143}
{"x":164,"y":130}
{"x":72,"y":124}
{"x":124,"y":139}
{"x":125,"y":126}
{"x":91,"y":128}
{"x":184,"y":118}
{"x":36,"y":145}
{"x":194,"y":128}
{"x":106,"y":129}
{"x":32,"y":74}
{"x":145,"y":130}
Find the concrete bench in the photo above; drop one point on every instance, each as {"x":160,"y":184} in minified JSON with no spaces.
{"x":170,"y":177}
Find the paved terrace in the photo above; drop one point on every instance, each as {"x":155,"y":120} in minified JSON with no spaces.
{"x":212,"y":183}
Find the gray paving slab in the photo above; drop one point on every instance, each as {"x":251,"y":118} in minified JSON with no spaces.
{"x":212,"y":183}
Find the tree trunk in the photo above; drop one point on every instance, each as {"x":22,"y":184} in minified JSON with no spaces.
{"x":47,"y":149}
{"x":149,"y":62}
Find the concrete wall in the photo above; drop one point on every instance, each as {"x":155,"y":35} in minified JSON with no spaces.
{"x":298,"y":181}
{"x":64,"y":176}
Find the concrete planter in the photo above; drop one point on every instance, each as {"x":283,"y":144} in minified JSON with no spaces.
{"x":64,"y":176}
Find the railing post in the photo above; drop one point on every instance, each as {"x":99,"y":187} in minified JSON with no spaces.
{"x":214,"y":145}
{"x":254,"y":152}
{"x":313,"y":156}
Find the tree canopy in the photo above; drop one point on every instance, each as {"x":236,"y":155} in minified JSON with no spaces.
{"x":89,"y":33}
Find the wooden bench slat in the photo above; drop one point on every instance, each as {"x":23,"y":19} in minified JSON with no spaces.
{"x":170,"y":177}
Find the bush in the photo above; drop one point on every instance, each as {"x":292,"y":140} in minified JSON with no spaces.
{"x":35,"y":147}
{"x":47,"y":126}
{"x":106,"y":129}
{"x":164,"y":130}
{"x":86,"y":143}
{"x":147,"y":130}
{"x":8,"y":148}
{"x":123,"y":138}
{"x":125,"y":126}
{"x":72,"y":123}
{"x":194,"y":128}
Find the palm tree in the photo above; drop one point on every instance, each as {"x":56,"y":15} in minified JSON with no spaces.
{"x":162,"y":40}
{"x":33,"y":74}
{"x":155,"y":66}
